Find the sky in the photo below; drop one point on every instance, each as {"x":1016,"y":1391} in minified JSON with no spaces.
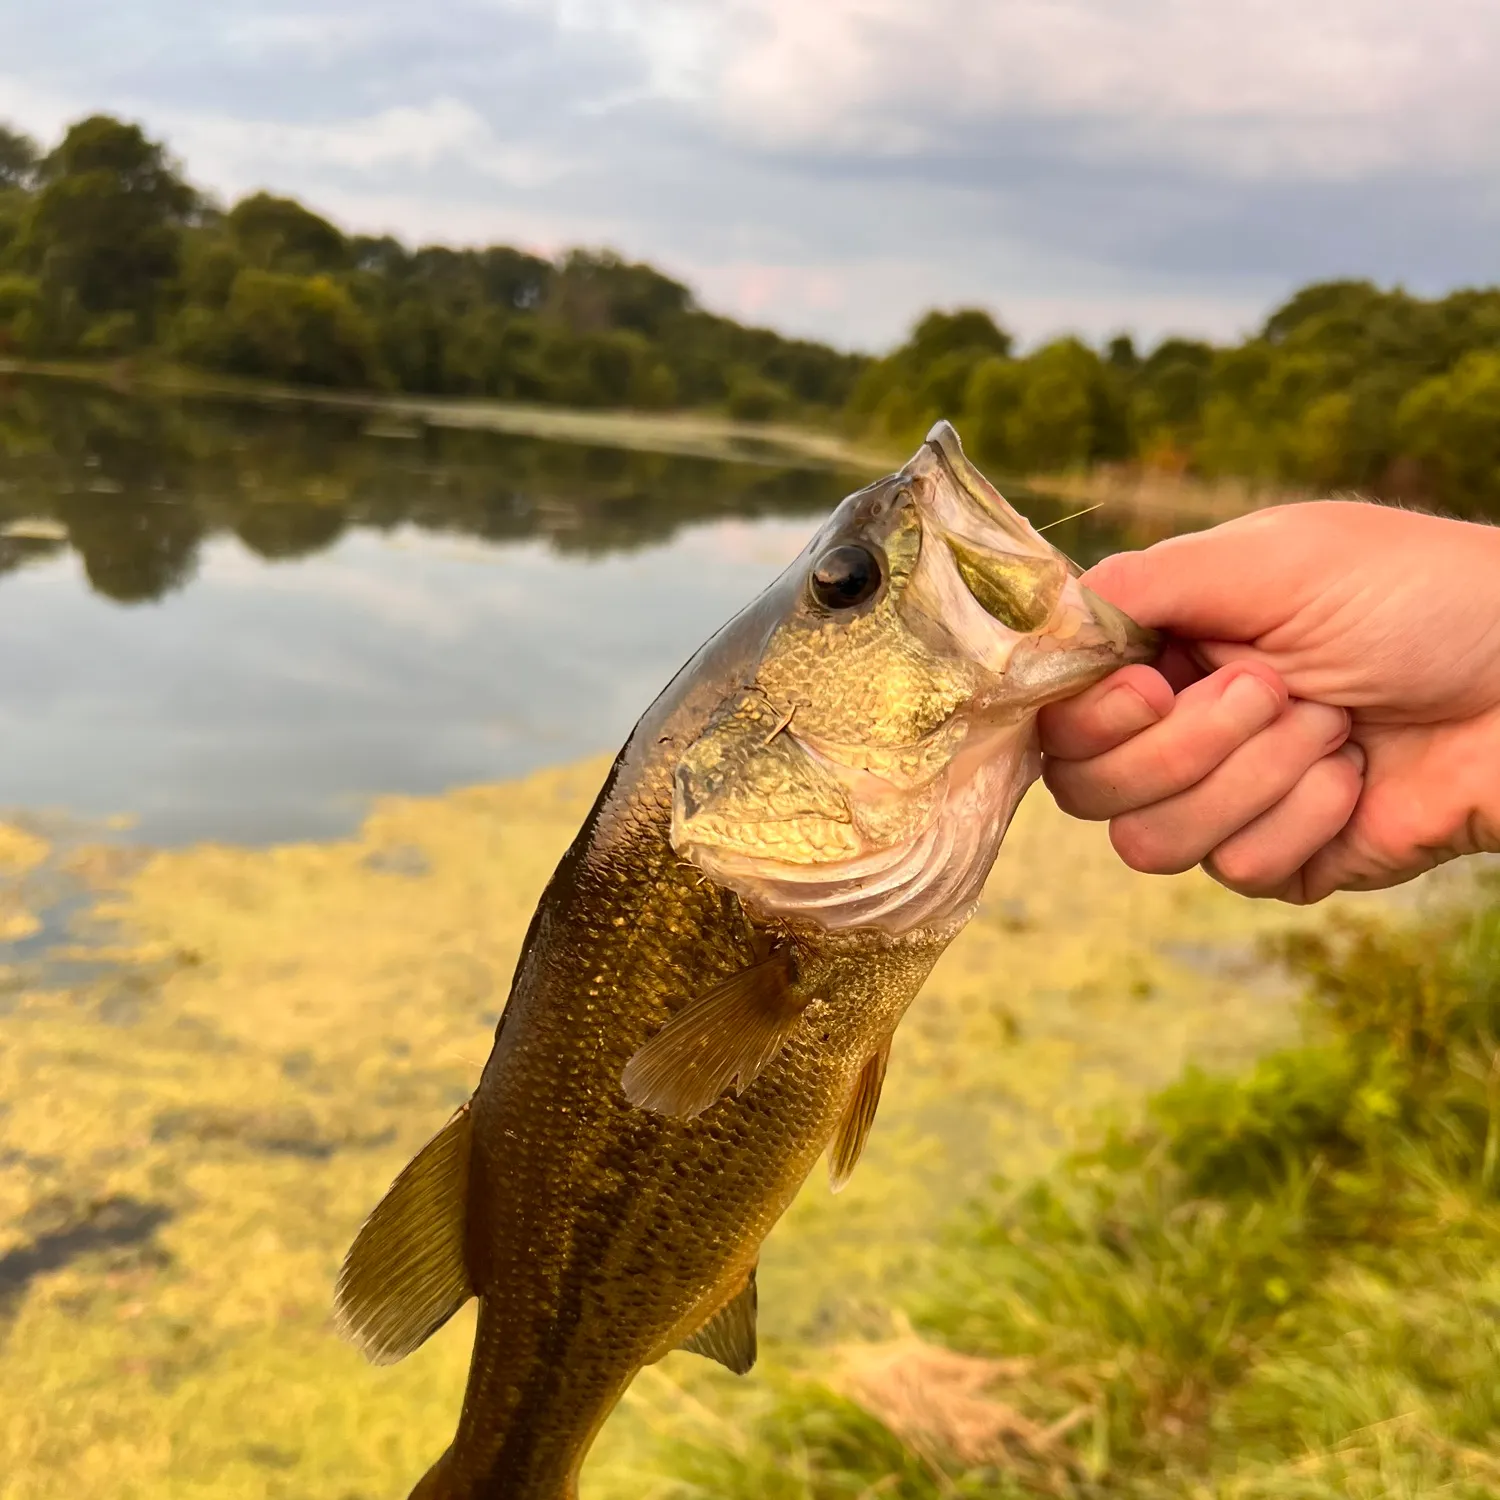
{"x":834,"y":167}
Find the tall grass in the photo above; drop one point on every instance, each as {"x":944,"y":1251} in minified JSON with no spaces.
{"x":1281,"y":1284}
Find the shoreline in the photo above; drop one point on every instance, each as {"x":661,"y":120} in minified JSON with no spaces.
{"x":1120,"y":489}
{"x":689,"y":433}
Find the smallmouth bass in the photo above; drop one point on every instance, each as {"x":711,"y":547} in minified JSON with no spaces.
{"x":705,"y":1000}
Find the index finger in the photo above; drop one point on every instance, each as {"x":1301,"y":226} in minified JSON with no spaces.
{"x":1105,"y":715}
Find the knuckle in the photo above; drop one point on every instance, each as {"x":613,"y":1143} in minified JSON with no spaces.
{"x":1059,"y":777}
{"x":1242,"y":870}
{"x":1075,"y":790}
{"x":1145,"y":850}
{"x":1175,"y":765}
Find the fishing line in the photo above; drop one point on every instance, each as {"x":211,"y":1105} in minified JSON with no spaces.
{"x":1087,"y":510}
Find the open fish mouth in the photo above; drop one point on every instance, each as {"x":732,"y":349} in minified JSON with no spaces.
{"x":1004,"y":594}
{"x":865,"y":776}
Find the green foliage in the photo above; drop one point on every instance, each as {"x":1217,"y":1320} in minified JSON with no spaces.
{"x":278,"y":234}
{"x":106,"y":228}
{"x":1282,"y":1284}
{"x":899,"y":397}
{"x":20,"y":308}
{"x":753,"y":398}
{"x":812,"y":1445}
{"x":299,"y":328}
{"x":1060,"y":407}
{"x":18,"y":158}
{"x":1450,"y":425}
{"x":103,"y":231}
{"x":1347,"y":386}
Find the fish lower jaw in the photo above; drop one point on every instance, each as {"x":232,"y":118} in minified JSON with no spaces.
{"x":930,"y":880}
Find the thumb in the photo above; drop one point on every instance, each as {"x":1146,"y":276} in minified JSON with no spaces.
{"x":1234,"y":582}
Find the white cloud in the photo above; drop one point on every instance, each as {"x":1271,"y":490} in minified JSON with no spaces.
{"x":233,"y":153}
{"x":1254,"y":87}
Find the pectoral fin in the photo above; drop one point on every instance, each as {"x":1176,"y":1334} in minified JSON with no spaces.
{"x":729,"y":1336}
{"x":725,"y":1037}
{"x":405,"y":1274}
{"x":859,"y":1115}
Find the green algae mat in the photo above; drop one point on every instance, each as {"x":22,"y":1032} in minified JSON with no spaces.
{"x":211,"y":1075}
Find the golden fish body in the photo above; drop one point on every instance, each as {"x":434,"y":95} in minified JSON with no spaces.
{"x":792,"y":835}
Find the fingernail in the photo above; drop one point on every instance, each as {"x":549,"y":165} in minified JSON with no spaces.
{"x":1127,"y":712}
{"x":1252,"y":700}
{"x":1329,"y":722}
{"x":1354,"y":751}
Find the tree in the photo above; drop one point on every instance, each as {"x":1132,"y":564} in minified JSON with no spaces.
{"x":300,"y":328}
{"x":1450,"y":426}
{"x":595,"y":290}
{"x":18,"y":158}
{"x":900,"y":396}
{"x":20,"y":307}
{"x":105,"y":230}
{"x":279,"y":234}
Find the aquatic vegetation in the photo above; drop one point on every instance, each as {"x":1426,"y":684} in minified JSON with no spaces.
{"x":276,"y":1029}
{"x":21,"y":852}
{"x":1283,"y":1282}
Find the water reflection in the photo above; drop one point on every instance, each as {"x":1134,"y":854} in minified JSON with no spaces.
{"x":137,"y":485}
{"x":367,"y":612}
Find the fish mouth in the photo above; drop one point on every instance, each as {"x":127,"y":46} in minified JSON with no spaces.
{"x":1004,"y":594}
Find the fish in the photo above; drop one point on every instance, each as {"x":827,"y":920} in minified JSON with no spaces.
{"x":705,"y":999}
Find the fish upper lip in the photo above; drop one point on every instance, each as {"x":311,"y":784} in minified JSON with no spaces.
{"x":944,"y":441}
{"x":1135,"y":642}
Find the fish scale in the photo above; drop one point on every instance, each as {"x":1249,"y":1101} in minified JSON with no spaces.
{"x":691,"y":1022}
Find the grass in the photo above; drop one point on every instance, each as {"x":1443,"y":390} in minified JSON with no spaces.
{"x":1283,"y":1283}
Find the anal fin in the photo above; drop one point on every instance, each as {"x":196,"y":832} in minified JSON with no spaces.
{"x":405,"y":1274}
{"x":724,"y":1037}
{"x":729,"y":1336}
{"x":859,"y":1115}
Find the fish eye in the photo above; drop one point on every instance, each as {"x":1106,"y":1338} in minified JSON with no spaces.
{"x":845,"y":576}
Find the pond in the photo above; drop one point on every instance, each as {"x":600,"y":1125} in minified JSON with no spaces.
{"x":238,"y":621}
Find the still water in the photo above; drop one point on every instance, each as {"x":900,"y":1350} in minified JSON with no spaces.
{"x":235,"y":622}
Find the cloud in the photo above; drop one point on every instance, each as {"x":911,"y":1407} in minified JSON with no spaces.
{"x":403,"y":139}
{"x":1258,"y":87}
{"x":832,"y":166}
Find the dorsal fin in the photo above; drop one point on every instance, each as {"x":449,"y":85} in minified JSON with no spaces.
{"x":724,"y":1037}
{"x":729,"y":1336}
{"x":859,"y":1116}
{"x":405,"y":1274}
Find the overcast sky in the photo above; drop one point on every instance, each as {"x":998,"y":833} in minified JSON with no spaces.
{"x":834,"y":166}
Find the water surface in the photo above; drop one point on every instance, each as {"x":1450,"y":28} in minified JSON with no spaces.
{"x":240,"y":622}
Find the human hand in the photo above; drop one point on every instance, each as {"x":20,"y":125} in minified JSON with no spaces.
{"x":1327,"y":716}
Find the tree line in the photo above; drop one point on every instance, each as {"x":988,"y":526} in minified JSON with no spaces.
{"x":106,"y":250}
{"x":1347,"y":386}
